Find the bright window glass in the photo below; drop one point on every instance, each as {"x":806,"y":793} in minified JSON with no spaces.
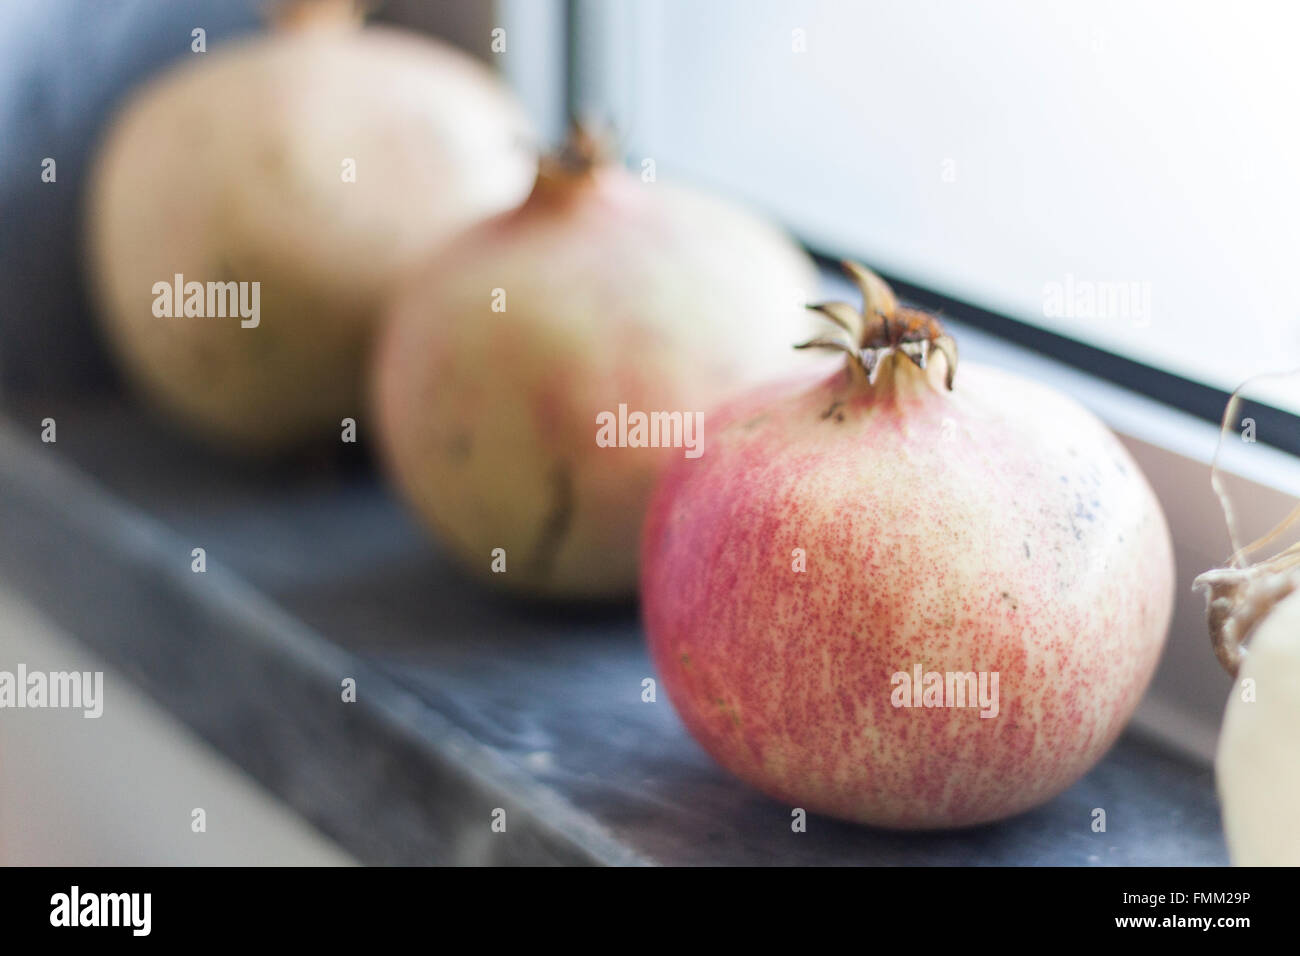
{"x":1120,"y":172}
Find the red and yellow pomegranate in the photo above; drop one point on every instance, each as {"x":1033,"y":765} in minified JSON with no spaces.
{"x":906,"y":594}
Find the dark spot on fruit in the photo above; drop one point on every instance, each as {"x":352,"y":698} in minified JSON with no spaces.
{"x":835,"y":407}
{"x":1026,"y":549}
{"x":459,"y":447}
{"x":756,"y":420}
{"x":559,"y":517}
{"x":728,"y":711}
{"x":223,"y":270}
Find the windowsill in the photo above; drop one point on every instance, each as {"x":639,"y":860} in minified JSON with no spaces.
{"x":464,"y":703}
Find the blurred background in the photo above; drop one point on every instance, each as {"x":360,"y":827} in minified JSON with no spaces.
{"x":1099,"y":191}
{"x":1007,"y":154}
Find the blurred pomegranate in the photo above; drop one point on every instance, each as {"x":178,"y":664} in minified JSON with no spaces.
{"x":514,"y":361}
{"x":317,"y":161}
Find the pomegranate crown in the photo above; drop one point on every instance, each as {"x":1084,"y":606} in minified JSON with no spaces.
{"x":297,"y":14}
{"x":590,"y":146}
{"x":882,"y":329}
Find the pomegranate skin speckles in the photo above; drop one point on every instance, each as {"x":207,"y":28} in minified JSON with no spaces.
{"x":995,"y":528}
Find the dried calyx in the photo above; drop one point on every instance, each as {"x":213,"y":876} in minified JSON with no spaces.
{"x":882,"y":331}
{"x":1237,"y":599}
{"x":1242,"y":594}
{"x":586,"y":150}
{"x":299,"y":14}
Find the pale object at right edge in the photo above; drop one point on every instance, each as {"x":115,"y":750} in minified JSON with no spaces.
{"x":1258,"y":762}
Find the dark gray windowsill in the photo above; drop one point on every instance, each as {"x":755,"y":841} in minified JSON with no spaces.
{"x":465,"y":703}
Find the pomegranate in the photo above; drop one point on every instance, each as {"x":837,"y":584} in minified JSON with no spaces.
{"x":906,"y":595}
{"x":514,"y":381}
{"x":251,"y":208}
